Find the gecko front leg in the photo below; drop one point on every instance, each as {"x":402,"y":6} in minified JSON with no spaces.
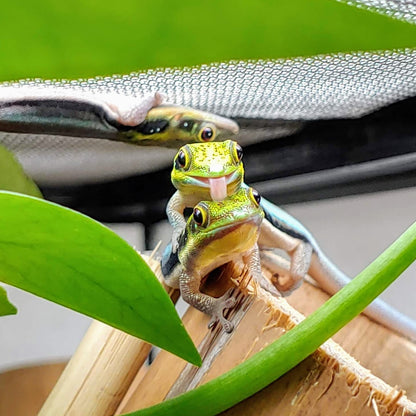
{"x":174,"y":212}
{"x":252,"y":260}
{"x":189,"y":286}
{"x":299,"y":251}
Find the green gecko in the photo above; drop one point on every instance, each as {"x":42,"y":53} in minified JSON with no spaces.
{"x":145,"y":120}
{"x":216,"y":233}
{"x":173,"y":125}
{"x":202,"y":173}
{"x":215,"y":170}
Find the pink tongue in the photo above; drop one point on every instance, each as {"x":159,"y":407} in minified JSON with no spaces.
{"x":218,"y":188}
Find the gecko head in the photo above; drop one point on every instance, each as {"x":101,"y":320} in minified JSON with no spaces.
{"x":228,"y":226}
{"x":210,"y":170}
{"x":196,"y":126}
{"x":173,"y":125}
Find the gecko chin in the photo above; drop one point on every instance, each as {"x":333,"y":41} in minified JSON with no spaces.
{"x":227,"y":243}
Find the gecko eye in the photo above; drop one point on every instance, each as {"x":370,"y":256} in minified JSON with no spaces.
{"x":207,"y":134}
{"x":237,"y":152}
{"x":200,"y":216}
{"x":255,"y":196}
{"x":182,"y":160}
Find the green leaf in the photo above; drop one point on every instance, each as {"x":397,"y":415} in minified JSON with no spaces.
{"x":295,"y":345}
{"x":86,"y":38}
{"x":70,"y":259}
{"x":6,"y":308}
{"x":12,"y":176}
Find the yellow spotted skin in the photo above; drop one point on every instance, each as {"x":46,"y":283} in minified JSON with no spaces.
{"x":174,"y":126}
{"x":207,"y":160}
{"x":229,"y":227}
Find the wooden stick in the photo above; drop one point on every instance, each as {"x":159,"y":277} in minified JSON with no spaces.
{"x":98,"y":375}
{"x":96,"y":378}
{"x":329,"y":382}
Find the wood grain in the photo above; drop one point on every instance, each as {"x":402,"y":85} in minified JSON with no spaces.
{"x":99,"y":374}
{"x":330,"y":382}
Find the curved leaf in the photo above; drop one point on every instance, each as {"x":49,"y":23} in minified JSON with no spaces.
{"x":70,"y":259}
{"x":6,"y":308}
{"x":12,"y":176}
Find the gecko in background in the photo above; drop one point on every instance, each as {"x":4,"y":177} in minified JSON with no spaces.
{"x":143,"y":120}
{"x":215,"y":170}
{"x":216,"y":233}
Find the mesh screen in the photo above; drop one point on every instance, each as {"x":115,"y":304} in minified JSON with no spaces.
{"x":400,"y":9}
{"x":270,"y":98}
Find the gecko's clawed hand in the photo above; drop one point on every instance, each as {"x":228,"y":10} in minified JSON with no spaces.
{"x":285,"y":284}
{"x":220,"y":304}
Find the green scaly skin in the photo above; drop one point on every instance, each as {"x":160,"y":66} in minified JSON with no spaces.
{"x":215,"y":234}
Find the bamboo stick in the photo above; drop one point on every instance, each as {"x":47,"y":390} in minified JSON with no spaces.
{"x":330,"y":382}
{"x":98,"y":375}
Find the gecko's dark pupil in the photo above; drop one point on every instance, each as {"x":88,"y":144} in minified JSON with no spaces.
{"x":186,"y":125}
{"x":207,"y":133}
{"x":181,"y":159}
{"x":239,"y":151}
{"x":256,"y":196}
{"x":198,"y":217}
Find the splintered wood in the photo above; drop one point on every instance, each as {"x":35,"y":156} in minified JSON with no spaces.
{"x":330,"y":382}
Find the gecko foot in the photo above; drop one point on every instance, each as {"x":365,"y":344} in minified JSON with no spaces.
{"x":131,"y":111}
{"x":285,"y":284}
{"x":224,"y":302}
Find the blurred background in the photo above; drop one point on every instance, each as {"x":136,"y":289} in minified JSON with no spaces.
{"x":81,"y":39}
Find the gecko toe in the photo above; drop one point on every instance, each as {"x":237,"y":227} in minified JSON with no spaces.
{"x":224,"y":302}
{"x":228,"y":326}
{"x":229,"y":303}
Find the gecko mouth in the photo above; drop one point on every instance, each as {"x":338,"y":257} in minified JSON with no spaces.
{"x":217,"y":186}
{"x":253,"y":221}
